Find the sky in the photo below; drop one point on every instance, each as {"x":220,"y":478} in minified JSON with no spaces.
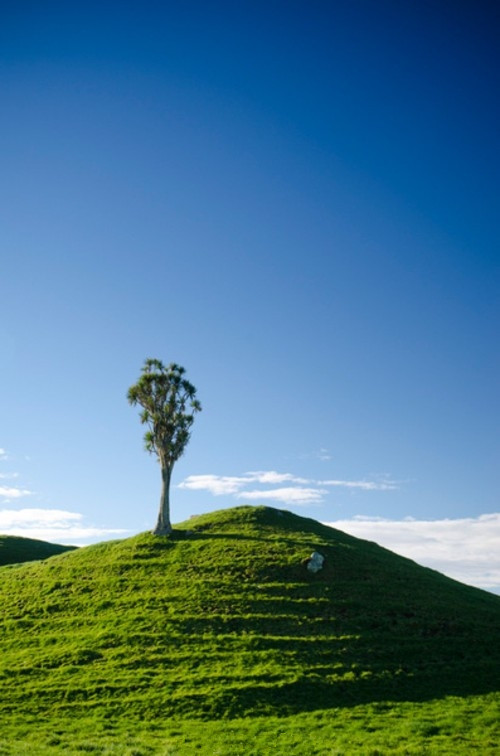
{"x":298,"y":202}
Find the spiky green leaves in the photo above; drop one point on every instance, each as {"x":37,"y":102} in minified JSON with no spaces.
{"x":169,"y":405}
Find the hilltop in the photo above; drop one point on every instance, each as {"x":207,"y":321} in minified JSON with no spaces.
{"x":17,"y":549}
{"x":223,"y":621}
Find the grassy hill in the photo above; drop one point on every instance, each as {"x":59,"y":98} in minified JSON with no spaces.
{"x":15,"y":549}
{"x":220,"y":635}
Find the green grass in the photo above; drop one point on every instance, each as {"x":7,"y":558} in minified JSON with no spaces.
{"x":14,"y":549}
{"x":448,"y":726}
{"x":218,"y":640}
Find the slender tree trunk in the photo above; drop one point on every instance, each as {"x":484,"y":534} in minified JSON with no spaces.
{"x":163,"y":526}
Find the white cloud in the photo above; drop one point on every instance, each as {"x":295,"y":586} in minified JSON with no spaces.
{"x":224,"y":485}
{"x":8,"y":492}
{"x":296,"y":495}
{"x":56,"y":525}
{"x":467,"y":549}
{"x":220,"y":485}
{"x":217,"y":485}
{"x":19,"y":517}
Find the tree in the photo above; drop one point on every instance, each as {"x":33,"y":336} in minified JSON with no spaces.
{"x":169,"y":405}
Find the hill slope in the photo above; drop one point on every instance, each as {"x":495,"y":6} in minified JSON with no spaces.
{"x":16,"y":549}
{"x":224,"y":620}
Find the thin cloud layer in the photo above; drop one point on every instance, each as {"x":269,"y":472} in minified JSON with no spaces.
{"x":272,"y":477}
{"x":364,"y":485}
{"x":296,"y":495}
{"x":322,"y":454}
{"x":222,"y":485}
{"x":9,"y":492}
{"x":466,"y":549}
{"x":56,"y":525}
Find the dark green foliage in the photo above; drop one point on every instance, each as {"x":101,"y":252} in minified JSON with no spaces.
{"x":15,"y":549}
{"x":168,"y":404}
{"x":223,"y":621}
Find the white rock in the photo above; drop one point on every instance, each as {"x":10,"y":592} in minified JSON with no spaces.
{"x":315,"y":563}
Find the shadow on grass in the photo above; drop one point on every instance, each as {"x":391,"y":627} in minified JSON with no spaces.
{"x":312,"y":694}
{"x":200,"y":535}
{"x":331,"y":670}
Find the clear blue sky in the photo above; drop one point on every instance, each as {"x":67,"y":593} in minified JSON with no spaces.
{"x":296,"y":201}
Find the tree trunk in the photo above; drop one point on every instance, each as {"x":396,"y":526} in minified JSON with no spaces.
{"x":163,"y":526}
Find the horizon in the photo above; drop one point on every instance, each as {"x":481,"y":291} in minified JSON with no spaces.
{"x":296,"y":204}
{"x":408,"y":538}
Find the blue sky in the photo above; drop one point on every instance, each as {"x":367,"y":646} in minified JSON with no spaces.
{"x":296,"y":201}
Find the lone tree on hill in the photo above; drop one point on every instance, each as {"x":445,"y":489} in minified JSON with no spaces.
{"x":169,"y":405}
